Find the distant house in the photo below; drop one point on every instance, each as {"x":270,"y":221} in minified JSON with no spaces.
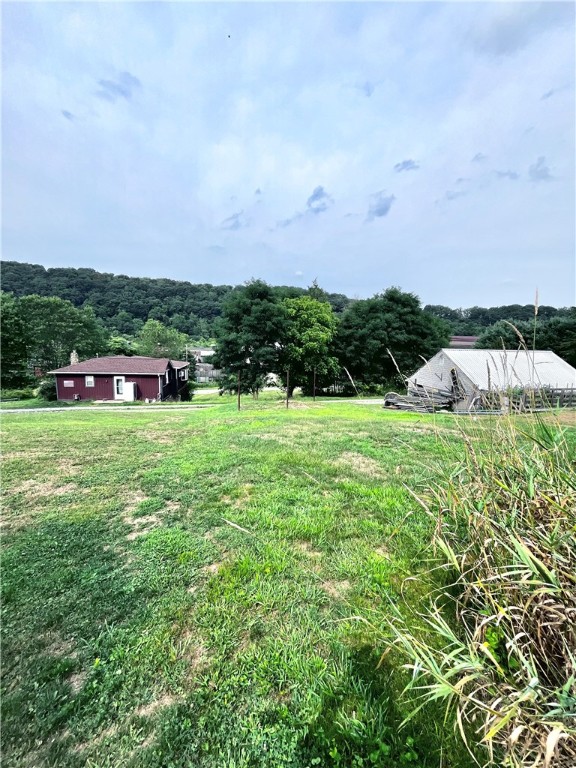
{"x":205,"y":370}
{"x":121,"y":378}
{"x":476,"y":379}
{"x":462,"y":342}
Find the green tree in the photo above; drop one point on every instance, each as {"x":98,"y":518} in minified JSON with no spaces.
{"x":156,"y":340}
{"x":389,"y":322}
{"x":57,"y":328}
{"x":14,"y":343}
{"x":250,"y":334}
{"x":310,"y":329}
{"x":557,"y":334}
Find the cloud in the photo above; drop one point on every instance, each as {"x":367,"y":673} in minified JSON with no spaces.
{"x":298,"y":273}
{"x":539,"y":171}
{"x":554,"y":91}
{"x":380,"y":204}
{"x":512,"y":175}
{"x":123,"y":87}
{"x":258,"y":192}
{"x":451,"y":195}
{"x":234,"y":222}
{"x":319,"y":200}
{"x":406,"y":165}
{"x":68,"y":115}
{"x":367,"y":88}
{"x":291,"y":220}
{"x":479,"y":157}
{"x":511,"y":28}
{"x":462,"y":180}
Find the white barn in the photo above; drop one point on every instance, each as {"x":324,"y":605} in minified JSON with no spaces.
{"x":471,"y":379}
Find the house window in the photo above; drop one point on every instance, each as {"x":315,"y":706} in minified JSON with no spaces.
{"x":184,"y":373}
{"x":89,"y":381}
{"x":68,"y":383}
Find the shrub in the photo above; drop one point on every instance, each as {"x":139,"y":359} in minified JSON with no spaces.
{"x":187,"y":391}
{"x":498,"y":644}
{"x":17,"y":394}
{"x":47,"y":389}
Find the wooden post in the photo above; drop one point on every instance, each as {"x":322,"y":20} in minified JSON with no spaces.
{"x":287,"y":385}
{"x":239,"y":373}
{"x":314,"y":386}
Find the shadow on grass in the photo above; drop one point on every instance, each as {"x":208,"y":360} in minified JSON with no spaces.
{"x":84,"y":640}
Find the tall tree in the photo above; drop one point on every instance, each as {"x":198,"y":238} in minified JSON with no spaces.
{"x":391,"y":322}
{"x":557,"y":334}
{"x":57,"y":328}
{"x":307,"y":349}
{"x":156,"y":340}
{"x":250,"y":333}
{"x":15,"y":343}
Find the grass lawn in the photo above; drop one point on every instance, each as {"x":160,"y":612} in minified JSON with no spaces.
{"x":183,"y":588}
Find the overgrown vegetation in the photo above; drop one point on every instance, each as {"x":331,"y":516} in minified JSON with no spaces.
{"x":498,"y":643}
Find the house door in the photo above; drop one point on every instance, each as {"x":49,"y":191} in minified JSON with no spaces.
{"x":118,"y":387}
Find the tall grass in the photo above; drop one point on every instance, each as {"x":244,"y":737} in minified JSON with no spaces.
{"x":497,"y":642}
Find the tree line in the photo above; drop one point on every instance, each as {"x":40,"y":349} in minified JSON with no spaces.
{"x":303,"y":336}
{"x":124,"y":303}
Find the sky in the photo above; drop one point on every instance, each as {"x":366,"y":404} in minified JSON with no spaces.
{"x":429,"y":146}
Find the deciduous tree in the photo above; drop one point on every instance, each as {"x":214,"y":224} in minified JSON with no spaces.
{"x":391,"y":322}
{"x":156,"y":340}
{"x":250,"y":333}
{"x":310,"y":329}
{"x":56,"y":328}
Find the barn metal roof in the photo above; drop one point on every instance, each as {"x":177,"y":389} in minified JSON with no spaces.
{"x":121,"y":364}
{"x":499,"y":368}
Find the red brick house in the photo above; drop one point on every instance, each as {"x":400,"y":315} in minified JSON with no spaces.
{"x":121,"y":378}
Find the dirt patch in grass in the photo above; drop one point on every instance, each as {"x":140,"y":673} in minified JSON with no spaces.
{"x":193,"y":651}
{"x":213,"y":568}
{"x":242,"y":497}
{"x":132,"y":499}
{"x":36,"y":489}
{"x":55,"y":645}
{"x":161,"y":438}
{"x":77,"y":681}
{"x":360,"y":463}
{"x":336,"y":589}
{"x":308,"y":549}
{"x":140,"y":525}
{"x":149,"y":710}
{"x":382,"y":552}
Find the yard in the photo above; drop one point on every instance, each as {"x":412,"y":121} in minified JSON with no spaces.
{"x":208,"y":588}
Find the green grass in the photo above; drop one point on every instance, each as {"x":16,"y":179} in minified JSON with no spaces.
{"x":141,"y":627}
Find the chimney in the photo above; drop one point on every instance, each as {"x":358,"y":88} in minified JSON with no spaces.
{"x":74,"y":357}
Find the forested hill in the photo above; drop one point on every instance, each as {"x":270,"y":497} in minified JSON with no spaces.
{"x":125,"y":303}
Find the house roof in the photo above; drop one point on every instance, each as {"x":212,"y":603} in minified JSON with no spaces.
{"x":121,"y":364}
{"x":500,"y":369}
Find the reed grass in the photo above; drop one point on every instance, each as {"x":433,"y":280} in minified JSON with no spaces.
{"x":497,"y":640}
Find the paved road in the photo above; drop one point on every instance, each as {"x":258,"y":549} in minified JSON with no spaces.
{"x":123,"y":408}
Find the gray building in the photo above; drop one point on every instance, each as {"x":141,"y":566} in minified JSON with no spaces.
{"x":475,"y":379}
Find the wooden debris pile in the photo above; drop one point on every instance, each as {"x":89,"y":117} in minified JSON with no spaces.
{"x":420,"y":399}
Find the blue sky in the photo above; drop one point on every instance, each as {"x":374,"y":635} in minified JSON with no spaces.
{"x":425,"y":145}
